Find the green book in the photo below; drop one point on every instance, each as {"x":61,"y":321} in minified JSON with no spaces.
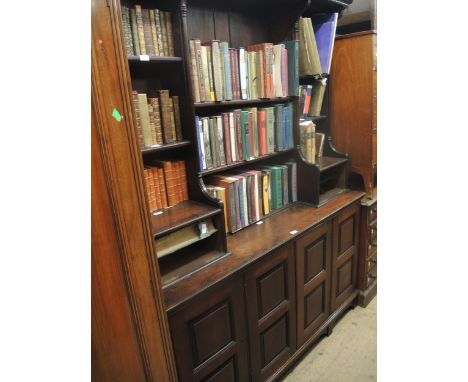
{"x":293,"y":66}
{"x":276,"y":186}
{"x":245,"y":134}
{"x":279,"y":128}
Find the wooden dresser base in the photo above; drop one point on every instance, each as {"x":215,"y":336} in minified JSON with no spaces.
{"x":366,"y":296}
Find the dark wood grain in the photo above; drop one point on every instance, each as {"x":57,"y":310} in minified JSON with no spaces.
{"x":254,"y":242}
{"x":165,"y":147}
{"x":242,"y":102}
{"x":325,"y":162}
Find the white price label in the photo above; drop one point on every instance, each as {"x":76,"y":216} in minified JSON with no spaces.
{"x":157,"y":213}
{"x":260,"y":222}
{"x":144,"y":57}
{"x":293,"y":232}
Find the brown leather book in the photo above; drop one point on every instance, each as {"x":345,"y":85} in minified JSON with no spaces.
{"x":147,"y":32}
{"x":173,"y":123}
{"x":152,"y":122}
{"x":162,"y":14}
{"x":141,"y":33}
{"x":170,"y":40}
{"x":178,"y":180}
{"x":185,"y":195}
{"x":227,"y":138}
{"x":154,"y":174}
{"x":169,"y":178}
{"x":165,"y":109}
{"x":137,"y":117}
{"x":155,"y":117}
{"x":162,"y":187}
{"x":151,"y":194}
{"x":178,"y":124}
{"x":154,"y":34}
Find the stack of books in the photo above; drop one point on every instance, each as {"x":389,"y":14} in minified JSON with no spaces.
{"x":166,"y":184}
{"x":250,"y":195}
{"x":311,"y":98}
{"x":147,"y":31}
{"x":311,"y":141}
{"x":244,"y":134}
{"x":158,"y":118}
{"x":317,"y":36}
{"x":221,"y":73}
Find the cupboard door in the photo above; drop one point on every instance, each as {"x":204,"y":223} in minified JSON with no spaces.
{"x":209,"y":336}
{"x":271,"y":312}
{"x":313,"y":272}
{"x":344,"y":255}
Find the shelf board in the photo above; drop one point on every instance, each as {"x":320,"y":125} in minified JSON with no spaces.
{"x":160,"y":59}
{"x":325,"y":163}
{"x":168,"y":146}
{"x":243,"y":163}
{"x":329,"y":195}
{"x":180,"y":216}
{"x":314,"y":77}
{"x":242,"y":102}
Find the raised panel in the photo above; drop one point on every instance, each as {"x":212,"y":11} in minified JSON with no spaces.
{"x":226,"y":373}
{"x":274,"y":340}
{"x":346,"y":235}
{"x":314,"y":259}
{"x":271,"y":289}
{"x":344,"y":278}
{"x":314,"y":305}
{"x":211,"y":332}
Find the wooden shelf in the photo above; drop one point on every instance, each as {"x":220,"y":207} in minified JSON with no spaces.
{"x":159,"y":59}
{"x":243,"y":163}
{"x":329,"y":195}
{"x":326,"y":163}
{"x":180,"y":216}
{"x":242,"y":102}
{"x":165,"y":147}
{"x":314,"y":77}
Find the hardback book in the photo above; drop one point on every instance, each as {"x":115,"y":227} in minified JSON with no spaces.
{"x":261,"y":117}
{"x":157,"y":19}
{"x":270,"y":129}
{"x":141,"y":33}
{"x":325,"y":30}
{"x":134,"y":27}
{"x":162,"y":16}
{"x":253,"y":76}
{"x":227,"y":137}
{"x":170,"y":42}
{"x":147,"y":32}
{"x":195,"y":74}
{"x":248,"y":75}
{"x":266,"y":195}
{"x":152,"y":122}
{"x":254,"y":130}
{"x":202,"y":80}
{"x":246,"y":186}
{"x":284,"y":171}
{"x":178,"y":180}
{"x":216,"y":68}
{"x":156,"y":193}
{"x":245,"y":134}
{"x":316,"y":99}
{"x":277,"y":70}
{"x":292,"y":181}
{"x":127,"y":31}
{"x":243,"y":206}
{"x":210,"y":73}
{"x":206,"y":142}
{"x":243,"y":73}
{"x":183,"y":170}
{"x":268,"y":73}
{"x":256,"y":194}
{"x":292,"y":48}
{"x":233,"y":136}
{"x":276,"y":187}
{"x":148,"y":189}
{"x":279,"y":128}
{"x":231,"y":205}
{"x":307,"y":131}
{"x":284,"y":71}
{"x":309,"y":61}
{"x":157,"y":119}
{"x":162,"y":187}
{"x":304,"y":101}
{"x":286,"y":130}
{"x":154,"y":33}
{"x":212,"y":128}
{"x":136,"y":107}
{"x":201,"y":144}
{"x":319,"y":142}
{"x":220,"y":140}
{"x":250,"y":134}
{"x":165,"y":108}
{"x":220,"y":193}
{"x":144,"y":119}
{"x":173,"y":125}
{"x":170,"y":181}
{"x":237,"y":75}
{"x":227,"y":72}
{"x":261,"y":74}
{"x":232,"y":67}
{"x":178,"y":123}
{"x":238,"y":126}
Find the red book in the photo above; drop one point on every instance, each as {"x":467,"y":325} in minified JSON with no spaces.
{"x":237,"y":78}
{"x":307,"y":100}
{"x":226,"y":138}
{"x":184,"y":181}
{"x":261,"y":115}
{"x":284,"y":71}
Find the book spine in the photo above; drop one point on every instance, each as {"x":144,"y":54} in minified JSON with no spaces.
{"x":154,"y":174}
{"x":243,"y":73}
{"x":235,"y":59}
{"x":277,"y":197}
{"x":157,"y":116}
{"x":195,"y":75}
{"x":294,"y":182}
{"x":285,"y":185}
{"x":255,"y":78}
{"x":226,"y":137}
{"x":232,"y":208}
{"x":238,"y":121}
{"x":127,"y":32}
{"x":173,"y":123}
{"x":134,"y":26}
{"x":162,"y":16}
{"x":284,"y":71}
{"x":147,"y":32}
{"x":149,"y":190}
{"x":201,"y":145}
{"x":270,"y":119}
{"x":255,"y":132}
{"x":157,"y":18}
{"x":261,"y":74}
{"x":206,"y":142}
{"x":165,"y":109}
{"x":213,"y":142}
{"x":141,"y":33}
{"x":136,"y":107}
{"x":262,"y":131}
{"x":227,"y":71}
{"x":154,"y":34}
{"x":266,"y":193}
{"x":206,"y":64}
{"x":279,"y":128}
{"x":220,"y":140}
{"x":170,"y":40}
{"x":169,"y":177}
{"x":162,"y":187}
{"x":248,"y":197}
{"x":178,"y":123}
{"x":269,"y":71}
{"x":232,"y":137}
{"x":178,"y":180}
{"x":144,"y":118}
{"x":185,"y":195}
{"x":216,"y":70}
{"x":278,"y":90}
{"x":248,"y":74}
{"x":223,"y":69}
{"x":250,"y":132}
{"x":152,"y":122}
{"x":201,"y":71}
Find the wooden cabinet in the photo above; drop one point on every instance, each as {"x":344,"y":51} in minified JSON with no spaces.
{"x":353,"y":102}
{"x":344,"y":256}
{"x":313,"y":276}
{"x":271,"y":314}
{"x":209,"y":336}
{"x":367,"y":273}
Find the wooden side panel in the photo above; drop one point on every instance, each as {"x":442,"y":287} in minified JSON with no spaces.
{"x":344,"y":255}
{"x":313,"y":277}
{"x":209,"y":336}
{"x":271,"y":312}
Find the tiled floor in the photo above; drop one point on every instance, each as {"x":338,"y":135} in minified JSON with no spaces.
{"x":348,"y":355}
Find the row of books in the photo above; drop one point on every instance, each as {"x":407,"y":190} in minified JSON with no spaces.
{"x":316,"y":40}
{"x":311,"y":141}
{"x":253,"y":194}
{"x":221,"y":73}
{"x":244,"y":134}
{"x":158,"y":118}
{"x":311,"y":98}
{"x":147,"y":31}
{"x":166,"y":184}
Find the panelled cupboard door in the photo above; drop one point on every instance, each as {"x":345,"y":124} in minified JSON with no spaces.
{"x":209,"y":336}
{"x":313,"y":276}
{"x":344,"y":255}
{"x":271,"y":312}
